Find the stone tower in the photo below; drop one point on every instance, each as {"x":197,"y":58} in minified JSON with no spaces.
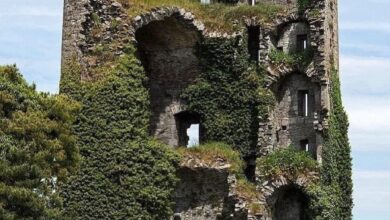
{"x":167,"y":41}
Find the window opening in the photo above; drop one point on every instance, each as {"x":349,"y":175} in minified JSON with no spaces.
{"x":188,"y":129}
{"x":301,"y":42}
{"x":303,"y":103}
{"x":254,"y":42}
{"x":193,"y":135}
{"x":305,"y":145}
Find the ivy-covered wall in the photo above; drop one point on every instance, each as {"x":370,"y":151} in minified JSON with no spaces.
{"x":229,"y":94}
{"x":336,"y":171}
{"x":124,"y":174}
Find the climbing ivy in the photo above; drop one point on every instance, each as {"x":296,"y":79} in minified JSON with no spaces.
{"x":336,"y":173}
{"x":230,"y":95}
{"x":124,"y":174}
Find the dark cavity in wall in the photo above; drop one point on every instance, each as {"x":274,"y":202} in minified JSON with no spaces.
{"x":289,"y":203}
{"x":254,"y":42}
{"x":250,"y":169}
{"x":167,"y":51}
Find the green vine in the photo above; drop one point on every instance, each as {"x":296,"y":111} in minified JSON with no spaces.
{"x":229,"y":95}
{"x":336,"y":172}
{"x":124,"y":174}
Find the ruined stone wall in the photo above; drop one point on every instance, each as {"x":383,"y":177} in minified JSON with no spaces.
{"x":288,"y":36}
{"x":167,"y":49}
{"x":167,"y":40}
{"x":202,"y":193}
{"x":292,"y":127}
{"x":74,"y":17}
{"x":290,"y":3}
{"x":332,"y":34}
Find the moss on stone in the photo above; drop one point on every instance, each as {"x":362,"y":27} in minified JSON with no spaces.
{"x":216,"y":16}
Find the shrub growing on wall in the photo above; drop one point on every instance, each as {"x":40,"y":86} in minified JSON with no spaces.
{"x":124,"y":175}
{"x":37,"y":148}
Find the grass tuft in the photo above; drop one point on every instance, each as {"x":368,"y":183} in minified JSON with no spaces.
{"x":212,"y":151}
{"x":287,"y":162}
{"x":216,"y":17}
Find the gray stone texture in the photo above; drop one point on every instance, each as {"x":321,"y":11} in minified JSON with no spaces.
{"x":292,"y":128}
{"x":288,"y":36}
{"x":166,"y":39}
{"x":170,"y":61}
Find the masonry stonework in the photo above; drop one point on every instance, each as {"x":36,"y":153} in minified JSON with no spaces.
{"x":167,"y":39}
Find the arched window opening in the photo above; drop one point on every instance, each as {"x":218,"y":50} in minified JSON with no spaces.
{"x":170,"y":61}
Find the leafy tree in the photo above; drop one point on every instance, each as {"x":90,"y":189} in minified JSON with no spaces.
{"x":37,"y":148}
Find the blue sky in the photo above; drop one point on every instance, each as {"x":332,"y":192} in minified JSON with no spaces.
{"x":30,"y":36}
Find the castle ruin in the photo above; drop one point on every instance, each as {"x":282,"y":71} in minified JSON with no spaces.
{"x":167,"y":40}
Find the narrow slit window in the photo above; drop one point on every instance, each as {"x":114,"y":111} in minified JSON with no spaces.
{"x":302,"y":43}
{"x":252,"y":2}
{"x":254,"y":43}
{"x":193,"y":135}
{"x":305,"y":145}
{"x":303,"y":103}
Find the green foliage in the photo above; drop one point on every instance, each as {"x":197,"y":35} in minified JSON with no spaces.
{"x":37,"y":148}
{"x":210,"y":152}
{"x":336,"y":171}
{"x":301,"y":59}
{"x":124,"y":175}
{"x":247,"y":190}
{"x":216,"y":16}
{"x":303,"y":4}
{"x":324,"y":203}
{"x":287,"y":162}
{"x":229,"y":95}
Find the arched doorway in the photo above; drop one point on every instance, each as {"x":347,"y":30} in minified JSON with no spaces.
{"x":290,"y":203}
{"x":167,"y":49}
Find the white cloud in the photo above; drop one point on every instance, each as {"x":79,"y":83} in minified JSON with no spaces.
{"x":365,"y":26}
{"x":366,"y":97}
{"x":365,"y":75}
{"x":366,"y":48}
{"x":371,"y":191}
